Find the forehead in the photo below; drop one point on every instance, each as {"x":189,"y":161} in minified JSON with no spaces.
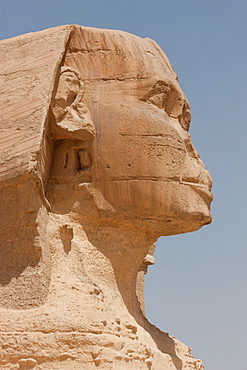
{"x":110,"y":54}
{"x":118,"y":62}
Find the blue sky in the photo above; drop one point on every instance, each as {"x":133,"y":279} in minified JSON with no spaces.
{"x":196,"y":291}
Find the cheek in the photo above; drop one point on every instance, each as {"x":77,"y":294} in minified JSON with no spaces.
{"x":139,"y":162}
{"x":142,"y":157}
{"x":138,"y":144}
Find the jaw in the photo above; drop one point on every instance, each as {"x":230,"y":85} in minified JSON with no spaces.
{"x":164,"y":207}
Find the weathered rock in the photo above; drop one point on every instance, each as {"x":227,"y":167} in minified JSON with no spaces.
{"x":96,"y":164}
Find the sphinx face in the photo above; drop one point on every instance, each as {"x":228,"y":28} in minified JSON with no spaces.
{"x":145,"y":163}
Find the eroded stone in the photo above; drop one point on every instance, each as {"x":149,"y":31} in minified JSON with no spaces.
{"x":96,"y":164}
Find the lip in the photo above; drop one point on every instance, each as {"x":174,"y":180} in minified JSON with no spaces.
{"x":202,"y":190}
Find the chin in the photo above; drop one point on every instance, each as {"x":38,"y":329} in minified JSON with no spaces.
{"x":161,"y":207}
{"x":188,"y":211}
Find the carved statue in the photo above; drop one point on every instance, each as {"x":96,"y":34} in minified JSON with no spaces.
{"x":96,"y":164}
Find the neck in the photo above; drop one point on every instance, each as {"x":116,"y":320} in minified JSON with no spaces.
{"x":106,"y":253}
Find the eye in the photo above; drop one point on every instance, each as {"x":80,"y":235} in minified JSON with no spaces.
{"x":172,"y":101}
{"x":158,"y":95}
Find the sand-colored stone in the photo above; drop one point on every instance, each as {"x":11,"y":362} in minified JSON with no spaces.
{"x":96,"y":164}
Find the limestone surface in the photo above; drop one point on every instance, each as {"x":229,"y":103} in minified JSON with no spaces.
{"x":96,"y":164}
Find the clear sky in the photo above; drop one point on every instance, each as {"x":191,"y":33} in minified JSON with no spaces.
{"x":196,"y":291}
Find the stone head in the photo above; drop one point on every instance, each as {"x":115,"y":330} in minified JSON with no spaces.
{"x":143,"y":162}
{"x":96,"y":163}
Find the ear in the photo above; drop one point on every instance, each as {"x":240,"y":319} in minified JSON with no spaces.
{"x":71,"y":135}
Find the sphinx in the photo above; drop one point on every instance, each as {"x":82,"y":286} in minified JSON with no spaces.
{"x":96,"y":164}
